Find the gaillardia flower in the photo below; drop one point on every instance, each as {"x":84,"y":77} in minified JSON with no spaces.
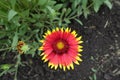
{"x":22,"y":47}
{"x":61,"y":48}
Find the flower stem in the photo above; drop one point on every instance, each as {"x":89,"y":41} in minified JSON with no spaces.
{"x":17,"y":65}
{"x":5,"y":49}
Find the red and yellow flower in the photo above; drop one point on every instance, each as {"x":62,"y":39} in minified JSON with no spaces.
{"x":61,"y":48}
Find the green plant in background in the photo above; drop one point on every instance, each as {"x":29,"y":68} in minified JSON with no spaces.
{"x":22,"y":48}
{"x":11,"y":68}
{"x":5,"y":68}
{"x":94,"y":75}
{"x":84,"y":7}
{"x":23,"y":19}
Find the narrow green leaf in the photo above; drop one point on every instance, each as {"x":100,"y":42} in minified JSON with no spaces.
{"x":58,"y":6}
{"x":79,"y":1}
{"x":74,"y":4}
{"x":51,"y":9}
{"x":3,"y":72}
{"x":52,"y":12}
{"x":108,"y":3}
{"x":72,"y":13}
{"x":94,"y":70}
{"x":78,"y":21}
{"x":42,"y":2}
{"x":84,"y":4}
{"x":5,"y":66}
{"x":79,"y":12}
{"x":51,"y":2}
{"x":90,"y":78}
{"x":67,"y":20}
{"x":11,"y":14}
{"x":94,"y":77}
{"x":15,"y":40}
{"x":25,"y":13}
{"x":39,"y":24}
{"x":97,"y":4}
{"x":86,"y":12}
{"x":13,"y":2}
{"x":68,"y":11}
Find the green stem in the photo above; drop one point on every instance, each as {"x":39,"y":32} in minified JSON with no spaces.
{"x":16,"y":66}
{"x":2,"y":16}
{"x":5,"y":49}
{"x":73,"y":17}
{"x":90,"y":5}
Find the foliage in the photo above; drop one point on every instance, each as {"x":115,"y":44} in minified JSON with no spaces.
{"x":23,"y":19}
{"x":85,"y":7}
{"x":94,"y":75}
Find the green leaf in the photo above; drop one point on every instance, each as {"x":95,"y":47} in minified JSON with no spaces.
{"x":25,"y":13}
{"x":79,"y":11}
{"x":86,"y":12}
{"x":78,"y":21}
{"x":74,"y":4}
{"x":94,"y":70}
{"x":16,"y":21}
{"x":38,"y":24}
{"x":58,"y":6}
{"x":51,"y":2}
{"x":51,"y":9}
{"x":97,"y":4}
{"x":23,"y":29}
{"x":5,"y":66}
{"x":13,"y":2}
{"x":72,"y":13}
{"x":42,"y":2}
{"x":15,"y":41}
{"x":94,"y":77}
{"x":84,"y":4}
{"x":11,"y":14}
{"x":67,"y":12}
{"x":52,"y":12}
{"x":90,"y":78}
{"x":85,"y":9}
{"x":67,"y":20}
{"x":108,"y":3}
{"x":79,"y":1}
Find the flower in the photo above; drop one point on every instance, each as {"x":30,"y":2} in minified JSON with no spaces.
{"x":22,"y":47}
{"x":61,"y":48}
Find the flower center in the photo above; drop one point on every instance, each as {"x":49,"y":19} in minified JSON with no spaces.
{"x":60,"y":45}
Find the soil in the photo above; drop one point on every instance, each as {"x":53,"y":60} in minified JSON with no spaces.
{"x":101,"y":55}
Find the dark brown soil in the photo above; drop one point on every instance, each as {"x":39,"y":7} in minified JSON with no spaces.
{"x":101,"y":36}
